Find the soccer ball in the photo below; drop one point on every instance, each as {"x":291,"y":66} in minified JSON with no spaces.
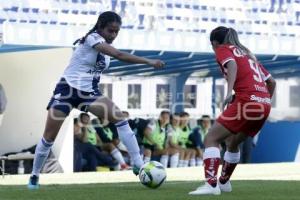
{"x":152,"y":174}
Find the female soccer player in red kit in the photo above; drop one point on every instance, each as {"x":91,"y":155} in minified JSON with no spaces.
{"x":245,"y":112}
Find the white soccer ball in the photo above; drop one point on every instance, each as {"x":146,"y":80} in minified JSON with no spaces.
{"x":152,"y":174}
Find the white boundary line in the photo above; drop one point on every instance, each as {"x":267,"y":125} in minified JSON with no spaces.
{"x":275,"y":171}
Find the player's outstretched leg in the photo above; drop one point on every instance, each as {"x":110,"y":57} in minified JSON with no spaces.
{"x":231,"y":159}
{"x":41,"y":153}
{"x":128,"y":138}
{"x":104,"y":108}
{"x":211,"y":158}
{"x":53,"y":124}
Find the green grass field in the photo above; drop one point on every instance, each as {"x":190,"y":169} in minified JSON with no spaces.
{"x":242,"y":190}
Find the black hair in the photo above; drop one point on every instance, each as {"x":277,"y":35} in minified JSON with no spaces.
{"x":183,"y":114}
{"x":164,"y":112}
{"x":173,"y":115}
{"x":103,"y":20}
{"x":205,"y":117}
{"x":224,"y":35}
{"x":219,"y":34}
{"x":83,"y":114}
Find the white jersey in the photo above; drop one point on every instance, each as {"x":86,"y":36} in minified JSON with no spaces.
{"x":86,"y":65}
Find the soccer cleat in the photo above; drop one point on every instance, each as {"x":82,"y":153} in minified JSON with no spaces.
{"x":33,"y":183}
{"x":136,"y":170}
{"x":206,"y":189}
{"x":226,"y":187}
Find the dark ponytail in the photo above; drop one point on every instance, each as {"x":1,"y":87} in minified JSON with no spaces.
{"x":82,"y":40}
{"x":225,"y":35}
{"x":103,"y":20}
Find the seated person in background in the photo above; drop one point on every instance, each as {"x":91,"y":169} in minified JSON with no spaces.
{"x":155,"y":139}
{"x":108,"y":134}
{"x":185,"y":143}
{"x":86,"y":141}
{"x":197,"y":137}
{"x":173,"y":140}
{"x":138,"y":126}
{"x":204,"y":125}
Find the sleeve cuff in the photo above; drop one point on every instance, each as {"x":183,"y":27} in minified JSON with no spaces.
{"x":95,"y":44}
{"x":226,"y":61}
{"x":267,"y":77}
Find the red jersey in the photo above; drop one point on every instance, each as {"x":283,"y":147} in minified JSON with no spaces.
{"x":251,"y":76}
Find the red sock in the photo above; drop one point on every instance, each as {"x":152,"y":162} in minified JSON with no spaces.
{"x":227,"y":170}
{"x":211,"y":166}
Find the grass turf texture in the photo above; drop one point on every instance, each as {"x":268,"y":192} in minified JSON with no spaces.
{"x":245,"y":190}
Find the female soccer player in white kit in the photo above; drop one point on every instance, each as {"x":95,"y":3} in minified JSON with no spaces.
{"x":78,"y":88}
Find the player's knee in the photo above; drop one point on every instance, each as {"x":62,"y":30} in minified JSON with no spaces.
{"x":165,"y":152}
{"x":117,"y":116}
{"x":209,"y":140}
{"x":147,"y":153}
{"x":233,"y":147}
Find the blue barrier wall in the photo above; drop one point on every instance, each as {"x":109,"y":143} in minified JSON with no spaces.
{"x":278,"y":142}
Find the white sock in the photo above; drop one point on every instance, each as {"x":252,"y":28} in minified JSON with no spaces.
{"x":192,"y":162}
{"x":199,"y":162}
{"x":186,"y":163}
{"x":232,"y":157}
{"x":41,"y":153}
{"x":211,"y":152}
{"x":174,"y":160}
{"x":129,"y":140}
{"x":116,"y":154}
{"x":164,"y":160}
{"x":147,"y":159}
{"x":181,"y":162}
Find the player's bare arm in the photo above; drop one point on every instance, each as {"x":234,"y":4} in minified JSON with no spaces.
{"x":271,"y":85}
{"x":127,"y":57}
{"x":231,"y":77}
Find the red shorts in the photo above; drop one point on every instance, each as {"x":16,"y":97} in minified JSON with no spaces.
{"x":247,"y":117}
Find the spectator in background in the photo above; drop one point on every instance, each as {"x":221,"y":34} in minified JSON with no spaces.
{"x":185,"y":131}
{"x":109,"y":136}
{"x":155,"y":139}
{"x":198,"y":135}
{"x":86,"y":146}
{"x":204,"y":125}
{"x":173,"y":141}
{"x":139,"y":126}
